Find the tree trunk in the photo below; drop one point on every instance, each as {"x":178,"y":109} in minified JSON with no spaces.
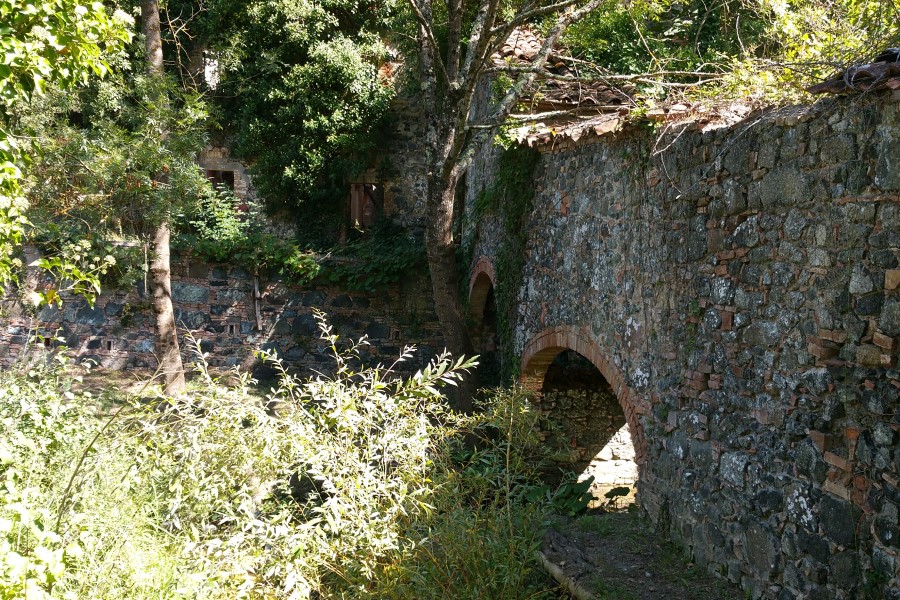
{"x":166,"y":344}
{"x":445,"y":279}
{"x":152,"y":38}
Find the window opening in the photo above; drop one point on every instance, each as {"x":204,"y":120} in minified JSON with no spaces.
{"x":221,"y":178}
{"x":364,"y":204}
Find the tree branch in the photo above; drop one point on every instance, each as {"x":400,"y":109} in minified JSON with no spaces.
{"x":610,"y":77}
{"x":479,"y":41}
{"x":479,"y":135}
{"x":454,"y":38}
{"x":427,"y":31}
{"x":534,"y":117}
{"x":527,"y":15}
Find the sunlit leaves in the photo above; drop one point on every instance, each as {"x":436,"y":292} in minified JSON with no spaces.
{"x":44,"y":42}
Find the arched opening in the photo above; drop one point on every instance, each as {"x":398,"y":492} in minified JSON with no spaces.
{"x":593,"y":414}
{"x":588,"y":428}
{"x":483,"y":324}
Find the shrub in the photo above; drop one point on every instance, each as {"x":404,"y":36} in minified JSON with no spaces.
{"x":352,"y":486}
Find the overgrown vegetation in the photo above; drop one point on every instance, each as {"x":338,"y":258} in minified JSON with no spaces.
{"x":511,"y":197}
{"x":222,"y":228}
{"x":383,"y":257}
{"x":762,"y":50}
{"x":298,"y":91}
{"x":355,"y":486}
{"x":43,"y":46}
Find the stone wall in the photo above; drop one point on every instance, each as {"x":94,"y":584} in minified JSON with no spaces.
{"x":216,"y":304}
{"x":402,"y":166}
{"x":738,"y":288}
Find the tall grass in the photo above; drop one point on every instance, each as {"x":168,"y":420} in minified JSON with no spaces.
{"x":359,"y":485}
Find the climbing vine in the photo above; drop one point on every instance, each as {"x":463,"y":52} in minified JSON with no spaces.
{"x":384,"y":257}
{"x":511,"y":196}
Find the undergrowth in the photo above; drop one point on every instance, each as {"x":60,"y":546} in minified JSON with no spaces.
{"x":357,"y":485}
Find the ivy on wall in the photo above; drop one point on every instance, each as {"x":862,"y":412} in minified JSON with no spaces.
{"x":512,"y":197}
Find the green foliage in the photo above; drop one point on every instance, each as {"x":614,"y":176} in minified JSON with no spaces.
{"x":114,"y":161}
{"x":224,"y":229}
{"x":373,"y":262}
{"x":570,"y":499}
{"x":56,"y":43}
{"x":512,"y":195}
{"x":649,"y":35}
{"x":299,"y":90}
{"x":38,"y":424}
{"x":806,"y":41}
{"x":343,"y":486}
{"x":761,"y":49}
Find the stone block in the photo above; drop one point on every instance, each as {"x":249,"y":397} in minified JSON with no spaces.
{"x":883,"y":341}
{"x":868,"y":355}
{"x":889,"y":321}
{"x":733,"y":465}
{"x":838,"y":461}
{"x":892,"y":279}
{"x":839,"y":520}
{"x":189,"y":293}
{"x":839,"y":337}
{"x":823,"y":441}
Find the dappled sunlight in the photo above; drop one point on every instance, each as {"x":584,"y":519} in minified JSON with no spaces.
{"x":613,"y":469}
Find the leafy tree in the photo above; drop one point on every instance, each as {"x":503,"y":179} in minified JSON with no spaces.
{"x":166,"y":340}
{"x":117,"y":163}
{"x":760,"y":49}
{"x":454,"y":44}
{"x":44,"y":43}
{"x":299,"y":90}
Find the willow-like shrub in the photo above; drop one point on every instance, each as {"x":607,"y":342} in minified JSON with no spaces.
{"x":356,"y":485}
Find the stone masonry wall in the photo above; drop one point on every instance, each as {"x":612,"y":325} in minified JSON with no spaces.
{"x":216,"y":303}
{"x":739,"y":288}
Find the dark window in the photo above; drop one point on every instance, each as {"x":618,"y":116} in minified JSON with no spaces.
{"x":221,"y":178}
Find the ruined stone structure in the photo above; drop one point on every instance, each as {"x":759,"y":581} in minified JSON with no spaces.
{"x":738,"y":287}
{"x":218,"y":305}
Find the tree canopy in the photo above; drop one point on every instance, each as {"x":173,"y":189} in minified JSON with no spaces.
{"x":44,"y":43}
{"x":298,"y":90}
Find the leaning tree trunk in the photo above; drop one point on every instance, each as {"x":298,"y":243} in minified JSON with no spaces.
{"x":445,"y":283}
{"x":166,"y":344}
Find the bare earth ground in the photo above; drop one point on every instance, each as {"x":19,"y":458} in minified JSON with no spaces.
{"x":617,"y":556}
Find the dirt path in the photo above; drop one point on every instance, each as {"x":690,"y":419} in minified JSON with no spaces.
{"x":616,"y":556}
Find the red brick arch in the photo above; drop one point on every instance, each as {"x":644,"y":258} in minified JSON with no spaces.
{"x":545,"y":346}
{"x":480,"y":283}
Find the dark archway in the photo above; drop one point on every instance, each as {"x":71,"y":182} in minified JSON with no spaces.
{"x":591,"y":434}
{"x":483,"y":322}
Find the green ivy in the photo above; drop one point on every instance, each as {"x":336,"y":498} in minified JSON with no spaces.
{"x":216,"y":230}
{"x":512,"y":194}
{"x":384,"y":257}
